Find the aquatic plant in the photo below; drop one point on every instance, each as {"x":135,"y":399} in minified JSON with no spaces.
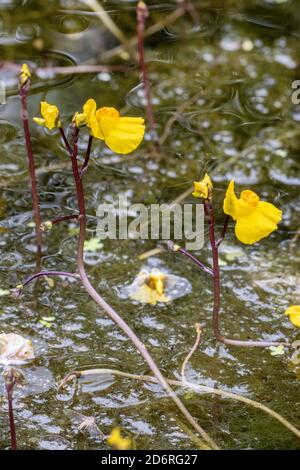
{"x":24,"y":88}
{"x":255,"y":220}
{"x":123,"y":135}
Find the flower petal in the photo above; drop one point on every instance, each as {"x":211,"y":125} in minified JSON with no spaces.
{"x":294,"y":314}
{"x":126,"y":136}
{"x":270,"y":211}
{"x":50,"y":113}
{"x":259,"y":224}
{"x":108,"y":119}
{"x":89,"y":108}
{"x":231,"y":203}
{"x":40,"y":121}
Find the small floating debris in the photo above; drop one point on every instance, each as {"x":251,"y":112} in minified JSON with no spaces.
{"x":84,"y":423}
{"x":15,"y":349}
{"x":156,"y":286}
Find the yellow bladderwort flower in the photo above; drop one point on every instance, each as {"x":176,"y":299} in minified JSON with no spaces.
{"x":121,"y":134}
{"x":294,"y":314}
{"x":24,"y":74}
{"x":255,"y":219}
{"x":50,"y":116}
{"x":116,"y":441}
{"x":154,"y":286}
{"x":202,"y":188}
{"x":152,"y":289}
{"x":88,"y":114}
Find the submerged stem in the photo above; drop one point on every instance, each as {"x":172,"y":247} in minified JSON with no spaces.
{"x":194,"y":348}
{"x":197,"y":388}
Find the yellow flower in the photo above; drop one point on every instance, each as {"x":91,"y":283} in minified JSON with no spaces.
{"x":153,"y":287}
{"x":118,"y":442}
{"x":24,"y":74}
{"x":202,"y":188}
{"x":50,"y":116}
{"x":294,"y":314}
{"x":255,"y":219}
{"x":121,"y":134}
{"x":150,"y":289}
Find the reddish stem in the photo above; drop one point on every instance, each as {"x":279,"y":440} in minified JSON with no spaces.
{"x":34,"y":194}
{"x":223,"y":233}
{"x":49,"y":273}
{"x":87,"y":157}
{"x":141,"y":14}
{"x":9,"y":386}
{"x":66,"y":142}
{"x":63,"y":218}
{"x":199,"y":263}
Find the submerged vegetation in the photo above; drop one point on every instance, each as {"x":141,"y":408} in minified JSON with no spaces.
{"x":101,"y":299}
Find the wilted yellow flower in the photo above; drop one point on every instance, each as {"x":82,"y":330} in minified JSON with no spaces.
{"x":152,"y":290}
{"x":155,"y":286}
{"x":255,"y":219}
{"x":50,"y":116}
{"x":294,"y":314}
{"x":24,"y":74}
{"x":202,"y":188}
{"x":121,"y":134}
{"x":118,"y":442}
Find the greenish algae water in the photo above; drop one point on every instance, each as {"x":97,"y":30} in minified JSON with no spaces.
{"x":234,"y":70}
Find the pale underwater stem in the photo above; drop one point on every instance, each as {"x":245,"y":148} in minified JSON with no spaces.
{"x":202,"y":389}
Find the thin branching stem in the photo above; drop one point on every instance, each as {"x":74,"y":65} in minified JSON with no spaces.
{"x":45,"y":274}
{"x":24,"y":89}
{"x":64,"y":137}
{"x":223,"y":233}
{"x":195,"y":260}
{"x":202,"y":389}
{"x":63,"y":218}
{"x":194,"y":348}
{"x":87,"y":157}
{"x":142,"y":14}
